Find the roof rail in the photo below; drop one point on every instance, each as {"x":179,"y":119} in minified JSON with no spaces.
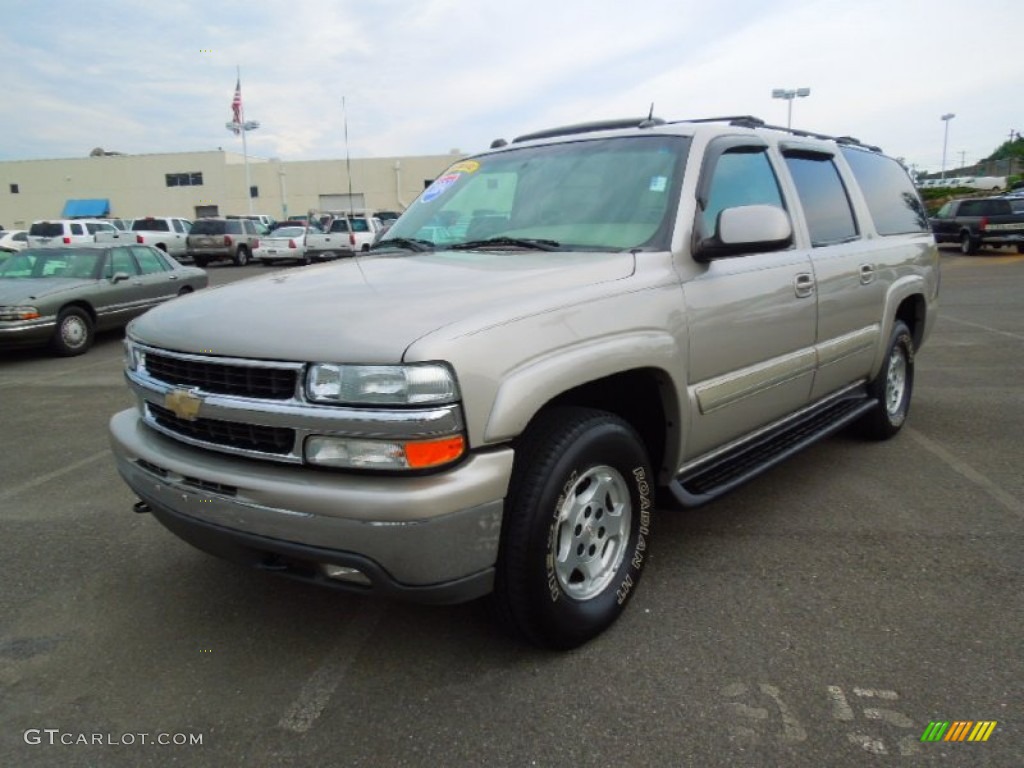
{"x":741,"y":121}
{"x":749,"y":121}
{"x":598,"y":125}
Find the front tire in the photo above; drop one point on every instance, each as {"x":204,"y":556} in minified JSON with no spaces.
{"x":892,"y":387}
{"x":74,"y":333}
{"x":576,"y":528}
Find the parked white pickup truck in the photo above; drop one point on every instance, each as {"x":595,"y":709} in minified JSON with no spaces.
{"x":345,"y":234}
{"x":168,"y":233}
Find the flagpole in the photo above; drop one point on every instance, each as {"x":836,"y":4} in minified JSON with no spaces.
{"x":245,"y":146}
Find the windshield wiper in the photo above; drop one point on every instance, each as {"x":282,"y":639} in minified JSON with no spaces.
{"x":535,"y":243}
{"x":411,"y":243}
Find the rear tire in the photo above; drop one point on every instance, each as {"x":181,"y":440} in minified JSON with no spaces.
{"x":201,"y":261}
{"x":74,"y":332}
{"x":576,"y":527}
{"x":968,"y":244}
{"x":892,"y":387}
{"x":241,"y":257}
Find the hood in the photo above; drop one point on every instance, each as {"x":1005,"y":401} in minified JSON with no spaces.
{"x":23,"y":290}
{"x":369,"y":309}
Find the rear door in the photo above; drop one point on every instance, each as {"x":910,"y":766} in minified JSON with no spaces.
{"x":847,"y":271}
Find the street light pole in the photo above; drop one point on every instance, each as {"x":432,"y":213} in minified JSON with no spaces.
{"x":789,"y":95}
{"x":945,"y":141}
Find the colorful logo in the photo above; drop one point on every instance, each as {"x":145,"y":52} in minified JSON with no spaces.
{"x":959,"y":730}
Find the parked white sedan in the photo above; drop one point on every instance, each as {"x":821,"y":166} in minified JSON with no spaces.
{"x":13,"y":240}
{"x":283,"y":244}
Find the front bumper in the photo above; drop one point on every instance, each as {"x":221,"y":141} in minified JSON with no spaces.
{"x":16,"y":333}
{"x":430,"y":538}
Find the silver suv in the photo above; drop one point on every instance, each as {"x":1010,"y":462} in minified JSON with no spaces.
{"x":486,"y":403}
{"x":215,"y":239}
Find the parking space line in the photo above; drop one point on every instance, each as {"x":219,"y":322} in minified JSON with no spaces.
{"x":1006,"y":499}
{"x":1012,"y":335}
{"x":321,"y":685}
{"x":43,"y":479}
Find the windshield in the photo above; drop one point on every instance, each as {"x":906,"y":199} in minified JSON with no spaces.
{"x":63,"y":263}
{"x":598,"y":194}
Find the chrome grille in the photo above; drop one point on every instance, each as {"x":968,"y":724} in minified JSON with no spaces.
{"x":247,"y":437}
{"x":223,"y":378}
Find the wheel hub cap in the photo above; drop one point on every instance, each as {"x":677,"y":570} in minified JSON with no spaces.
{"x":73,"y":332}
{"x":896,"y":382}
{"x":592,"y":531}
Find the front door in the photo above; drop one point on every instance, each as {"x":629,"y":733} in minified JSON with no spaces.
{"x":751,"y":318}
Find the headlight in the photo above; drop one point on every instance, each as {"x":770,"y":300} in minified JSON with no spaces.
{"x":417,"y":384}
{"x":19,"y":313}
{"x":134,"y":357}
{"x":360,"y":453}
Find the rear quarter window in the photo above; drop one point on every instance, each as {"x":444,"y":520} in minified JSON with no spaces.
{"x":893,"y":202}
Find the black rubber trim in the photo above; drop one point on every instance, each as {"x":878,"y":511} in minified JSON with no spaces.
{"x":709,"y":481}
{"x":301,"y":561}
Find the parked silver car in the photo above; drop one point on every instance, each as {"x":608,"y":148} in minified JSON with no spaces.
{"x":62,"y":296}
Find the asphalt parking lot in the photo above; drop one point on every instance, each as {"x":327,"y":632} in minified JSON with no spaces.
{"x":822,"y":615}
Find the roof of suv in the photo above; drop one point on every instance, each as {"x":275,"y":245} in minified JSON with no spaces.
{"x":690,"y":126}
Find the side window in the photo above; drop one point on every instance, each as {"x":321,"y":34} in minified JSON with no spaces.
{"x":823,"y":196}
{"x":149,"y":262}
{"x":944,"y":211}
{"x":120,"y":261}
{"x":177,"y":226}
{"x":895,"y":206}
{"x":741,"y":176}
{"x":970,"y":208}
{"x":76,"y":229}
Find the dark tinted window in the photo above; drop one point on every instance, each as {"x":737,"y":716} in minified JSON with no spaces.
{"x":77,"y":229}
{"x":985,"y":208}
{"x":233,"y":227}
{"x":46,"y":229}
{"x":821,"y":191}
{"x":208,"y":227}
{"x":892,"y":199}
{"x":740,"y":178}
{"x":150,"y":225}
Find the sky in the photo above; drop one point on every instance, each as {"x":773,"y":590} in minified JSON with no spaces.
{"x":425,"y":77}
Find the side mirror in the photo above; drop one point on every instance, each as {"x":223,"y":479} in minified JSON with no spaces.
{"x":119,"y":276}
{"x":746,"y":229}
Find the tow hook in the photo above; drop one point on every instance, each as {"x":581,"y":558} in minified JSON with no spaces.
{"x":141,"y":507}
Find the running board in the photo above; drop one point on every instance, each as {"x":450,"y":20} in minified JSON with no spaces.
{"x":708,"y":481}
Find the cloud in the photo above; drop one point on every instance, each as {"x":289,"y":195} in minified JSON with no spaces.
{"x":426,"y":77}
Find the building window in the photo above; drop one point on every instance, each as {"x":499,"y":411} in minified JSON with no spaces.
{"x":184,"y":179}
{"x":14,"y":189}
{"x":254,"y":191}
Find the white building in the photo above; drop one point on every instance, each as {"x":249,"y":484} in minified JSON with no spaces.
{"x":194,"y":184}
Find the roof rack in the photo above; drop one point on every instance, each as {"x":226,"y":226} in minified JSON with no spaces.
{"x":598,"y":125}
{"x":749,"y":121}
{"x":741,"y":121}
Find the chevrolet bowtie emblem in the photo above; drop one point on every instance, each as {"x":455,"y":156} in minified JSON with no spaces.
{"x":183,"y":404}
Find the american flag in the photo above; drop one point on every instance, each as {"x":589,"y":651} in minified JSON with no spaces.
{"x":236,"y":107}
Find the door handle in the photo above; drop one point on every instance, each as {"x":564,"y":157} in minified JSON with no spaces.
{"x":867,"y":273}
{"x":803,"y":285}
